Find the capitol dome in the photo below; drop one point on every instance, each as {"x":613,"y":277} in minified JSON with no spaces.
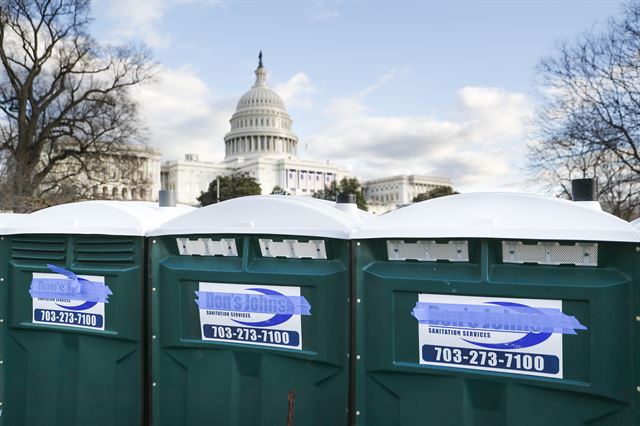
{"x":261,"y":96}
{"x":261,"y":125}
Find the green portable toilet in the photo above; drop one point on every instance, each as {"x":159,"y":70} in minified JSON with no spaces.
{"x":5,"y":220}
{"x":72,"y":314}
{"x":250,"y":306}
{"x":497,"y":309}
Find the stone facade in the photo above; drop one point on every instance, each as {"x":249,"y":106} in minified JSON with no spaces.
{"x":388,"y":193}
{"x":109,"y":172}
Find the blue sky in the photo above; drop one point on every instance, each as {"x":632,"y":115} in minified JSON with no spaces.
{"x":440,"y":88}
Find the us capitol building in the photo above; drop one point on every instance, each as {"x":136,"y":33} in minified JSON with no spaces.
{"x":261,"y":142}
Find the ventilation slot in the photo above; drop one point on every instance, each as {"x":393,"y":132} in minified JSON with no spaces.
{"x":105,"y":250}
{"x":428,"y":251}
{"x":207,"y":247}
{"x":293,"y":249}
{"x":38,"y":249}
{"x":550,"y":253}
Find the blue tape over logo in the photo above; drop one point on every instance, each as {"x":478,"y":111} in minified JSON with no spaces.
{"x":269,"y":302}
{"x":73,"y":288}
{"x":497,"y":316}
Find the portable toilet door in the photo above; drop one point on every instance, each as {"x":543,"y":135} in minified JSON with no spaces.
{"x":5,"y":220}
{"x":497,"y":309}
{"x":72,"y":315}
{"x":250,"y":306}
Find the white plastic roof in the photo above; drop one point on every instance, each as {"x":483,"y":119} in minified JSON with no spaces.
{"x":6,"y":219}
{"x":362,"y":216}
{"x":636,"y":224}
{"x":96,"y":217}
{"x":267,"y":214}
{"x":499,"y":215}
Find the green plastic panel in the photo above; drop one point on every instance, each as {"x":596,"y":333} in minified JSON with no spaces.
{"x":4,"y":265}
{"x":198,"y":382}
{"x":599,"y":386}
{"x":55,"y":375}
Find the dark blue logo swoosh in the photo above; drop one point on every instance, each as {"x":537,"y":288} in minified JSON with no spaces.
{"x":82,"y":307}
{"x":274,"y":320}
{"x":528,"y":340}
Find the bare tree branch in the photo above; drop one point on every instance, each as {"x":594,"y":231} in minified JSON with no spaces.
{"x":63,"y":97}
{"x":588,"y":122}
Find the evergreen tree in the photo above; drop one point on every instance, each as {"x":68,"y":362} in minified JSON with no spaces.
{"x":277,"y":190}
{"x":440,"y":191}
{"x":231,"y":186}
{"x":348,"y":186}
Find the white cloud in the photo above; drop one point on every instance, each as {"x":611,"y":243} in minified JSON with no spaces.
{"x":297,"y":91}
{"x":378,"y":84}
{"x":322,"y":11}
{"x":480,"y":144}
{"x":492,"y":112}
{"x":354,"y":106}
{"x":184,"y":115}
{"x":142,"y":19}
{"x":139,"y":20}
